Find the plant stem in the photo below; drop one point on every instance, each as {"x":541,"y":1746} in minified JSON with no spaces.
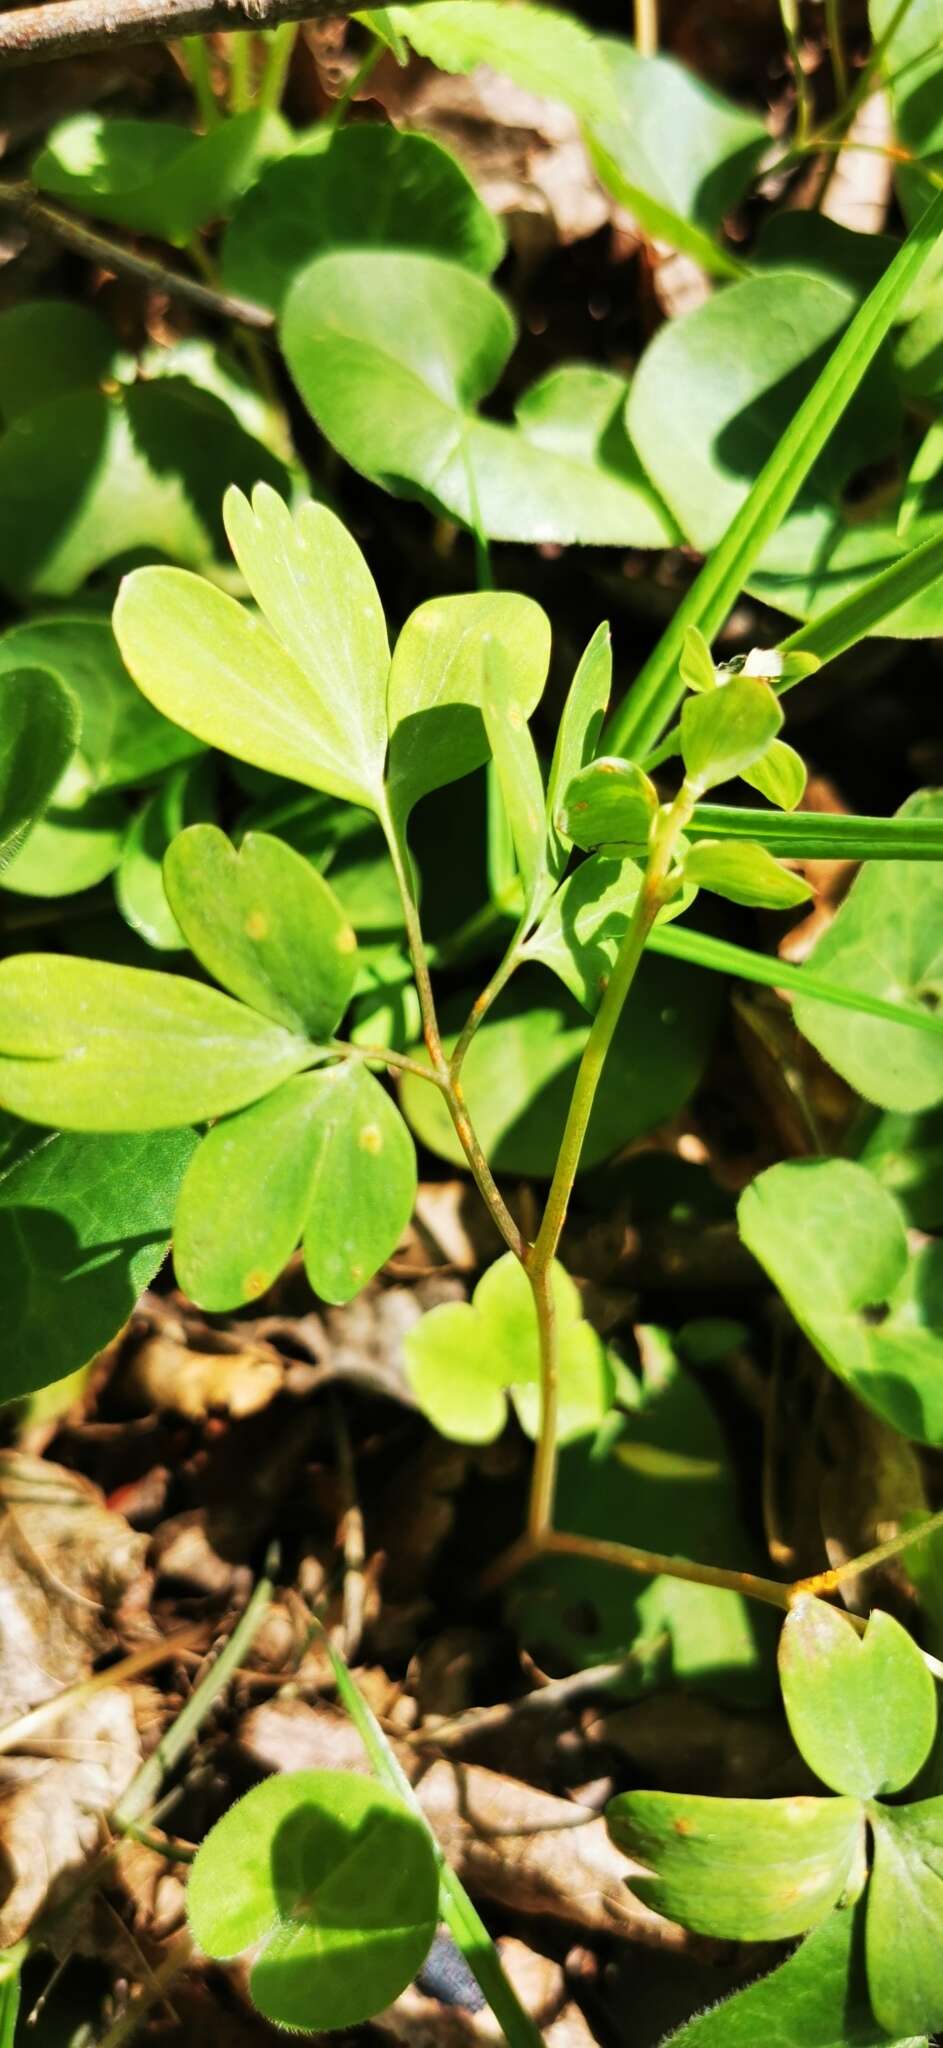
{"x":489,"y":995}
{"x":539,"y":1262}
{"x":839,"y":1575}
{"x":196,"y":63}
{"x":384,"y":1056}
{"x":368,"y":64}
{"x":279,"y":50}
{"x":646,"y":27}
{"x":240,"y":72}
{"x":836,"y":44}
{"x":790,"y":19}
{"x":647,"y":1563}
{"x":481,"y":1171}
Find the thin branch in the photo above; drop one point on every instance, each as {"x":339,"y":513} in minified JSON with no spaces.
{"x":23,"y":200}
{"x":64,"y":28}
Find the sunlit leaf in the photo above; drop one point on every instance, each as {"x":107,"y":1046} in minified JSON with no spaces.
{"x":744,"y":873}
{"x":39,"y":726}
{"x":727,"y":729}
{"x":437,"y":732}
{"x":905,"y":1903}
{"x":364,"y":1148}
{"x":155,"y":176}
{"x":836,"y":1687}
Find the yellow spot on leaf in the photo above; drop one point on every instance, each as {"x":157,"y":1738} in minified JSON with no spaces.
{"x":257,"y":925}
{"x":515,"y":716}
{"x":346,"y":940}
{"x":371,"y":1138}
{"x":256,"y":1282}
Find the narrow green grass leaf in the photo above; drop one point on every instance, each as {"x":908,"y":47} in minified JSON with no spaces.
{"x":804,"y":835}
{"x":722,"y":957}
{"x":659,"y":687}
{"x":847,"y":622}
{"x":464,"y":1923}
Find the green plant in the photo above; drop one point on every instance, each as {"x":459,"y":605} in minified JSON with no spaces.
{"x":239,"y":755}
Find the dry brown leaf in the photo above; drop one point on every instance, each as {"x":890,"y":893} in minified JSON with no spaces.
{"x":51,"y":1805}
{"x":66,"y":1563}
{"x":522,"y":1848}
{"x":165,"y":1374}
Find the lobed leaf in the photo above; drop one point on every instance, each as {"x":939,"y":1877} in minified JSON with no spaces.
{"x":837,"y":1686}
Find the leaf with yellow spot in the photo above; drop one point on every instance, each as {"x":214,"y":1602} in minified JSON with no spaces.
{"x":515,"y":758}
{"x":363,"y":1183}
{"x":264,"y":924}
{"x":742,"y":1869}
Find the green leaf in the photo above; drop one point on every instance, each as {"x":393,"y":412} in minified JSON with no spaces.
{"x":609,"y":802}
{"x":123,"y":741}
{"x":393,"y":352}
{"x":517,"y":766}
{"x":84,"y":1221}
{"x":885,"y":940}
{"x":463,"y":1358}
{"x":696,"y":664}
{"x":363,"y":1148}
{"x":577,"y":735}
{"x":545,"y":52}
{"x":744,"y":873}
{"x":837,"y":1686}
{"x":741,"y":1869}
{"x":38,"y":731}
{"x":727,"y":729}
{"x":265,"y":925}
{"x":155,"y":176}
{"x":720,"y":957}
{"x":100,"y":1048}
{"x":69,"y":850}
{"x":306,"y":699}
{"x":246,"y":1196}
{"x":834,"y":1243}
{"x":818,"y":1996}
{"x":583,"y":927}
{"x":677,"y":155}
{"x":48,"y":347}
{"x":780,"y":774}
{"x":333,"y":1880}
{"x":370,"y":187}
{"x":916,"y":833}
{"x":520,"y":1068}
{"x":437,"y":680}
{"x":905,"y":1153}
{"x":905,"y":1904}
{"x":183,"y":797}
{"x":658,"y":688}
{"x":89,"y":477}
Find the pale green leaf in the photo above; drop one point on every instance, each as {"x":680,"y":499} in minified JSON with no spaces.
{"x":245,"y":1199}
{"x":69,"y":850}
{"x":516,"y":765}
{"x":696,"y":663}
{"x":837,"y":1686}
{"x":365,"y":1151}
{"x":780,"y":774}
{"x":182,"y":798}
{"x":584,"y":925}
{"x":727,"y":729}
{"x":545,"y":52}
{"x":577,"y":734}
{"x":101,"y":1048}
{"x":905,"y":1909}
{"x":155,"y":176}
{"x":437,"y":679}
{"x":744,"y":873}
{"x":265,"y":925}
{"x":39,"y":726}
{"x":609,"y":802}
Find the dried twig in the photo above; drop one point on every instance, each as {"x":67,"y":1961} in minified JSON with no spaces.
{"x":63,"y":28}
{"x":111,"y":255}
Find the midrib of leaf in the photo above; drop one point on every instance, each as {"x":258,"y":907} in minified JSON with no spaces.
{"x":803,"y":835}
{"x":658,"y":688}
{"x":723,"y":957}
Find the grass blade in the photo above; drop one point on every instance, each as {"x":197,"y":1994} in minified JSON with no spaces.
{"x":658,"y":688}
{"x":680,"y":943}
{"x":808,"y":835}
{"x":464,"y":1923}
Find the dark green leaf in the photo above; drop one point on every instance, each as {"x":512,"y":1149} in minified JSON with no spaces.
{"x":88,"y":477}
{"x":370,"y":187}
{"x":69,"y":850}
{"x":123,"y":741}
{"x":333,"y":1881}
{"x":48,"y":347}
{"x":154,"y":176}
{"x":741,"y":1869}
{"x":834,"y":1243}
{"x":39,"y":727}
{"x":885,"y":940}
{"x":139,"y":882}
{"x":905,"y":1909}
{"x":84,"y":1222}
{"x":100,"y":1048}
{"x":837,"y":1688}
{"x":521,"y":1065}
{"x":265,"y":925}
